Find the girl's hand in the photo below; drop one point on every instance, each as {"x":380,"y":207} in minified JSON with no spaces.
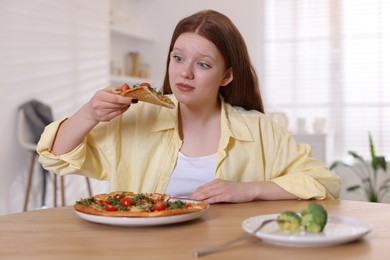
{"x":107,"y":104}
{"x":236,"y":192}
{"x":226,"y":191}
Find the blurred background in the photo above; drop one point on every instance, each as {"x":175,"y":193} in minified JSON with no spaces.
{"x":323,"y":67}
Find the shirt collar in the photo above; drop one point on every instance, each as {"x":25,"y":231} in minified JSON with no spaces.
{"x":233,"y":124}
{"x":167,"y":118}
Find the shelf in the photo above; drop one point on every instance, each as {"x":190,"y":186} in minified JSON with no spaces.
{"x":131,"y":35}
{"x":128,"y":36}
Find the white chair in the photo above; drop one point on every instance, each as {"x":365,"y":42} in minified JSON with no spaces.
{"x":25,"y":139}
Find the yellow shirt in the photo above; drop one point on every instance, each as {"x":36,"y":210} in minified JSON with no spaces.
{"x":138,"y":152}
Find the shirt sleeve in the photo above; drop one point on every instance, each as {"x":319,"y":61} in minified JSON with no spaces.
{"x":301,"y":175}
{"x":79,"y":161}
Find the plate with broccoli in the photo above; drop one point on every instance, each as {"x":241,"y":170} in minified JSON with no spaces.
{"x":312,"y":227}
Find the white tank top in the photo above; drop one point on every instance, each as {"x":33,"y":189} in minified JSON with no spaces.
{"x":190,"y":173}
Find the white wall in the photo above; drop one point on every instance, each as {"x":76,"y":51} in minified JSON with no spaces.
{"x":53,"y":51}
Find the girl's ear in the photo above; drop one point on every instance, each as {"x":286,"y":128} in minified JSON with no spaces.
{"x":228,"y":77}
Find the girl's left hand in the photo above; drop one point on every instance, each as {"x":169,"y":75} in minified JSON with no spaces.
{"x":226,"y":191}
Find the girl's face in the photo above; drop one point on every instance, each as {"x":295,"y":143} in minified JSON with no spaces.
{"x":197,"y":70}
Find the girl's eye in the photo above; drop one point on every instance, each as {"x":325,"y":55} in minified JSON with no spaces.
{"x":204,"y":65}
{"x":177,"y":58}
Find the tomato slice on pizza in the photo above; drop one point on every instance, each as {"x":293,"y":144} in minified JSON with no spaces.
{"x":129,"y":204}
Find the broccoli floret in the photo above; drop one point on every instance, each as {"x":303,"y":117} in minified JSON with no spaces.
{"x":289,"y":221}
{"x":314,"y":217}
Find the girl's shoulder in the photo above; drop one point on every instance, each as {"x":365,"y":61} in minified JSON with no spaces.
{"x":254,"y":119}
{"x":249,"y":114}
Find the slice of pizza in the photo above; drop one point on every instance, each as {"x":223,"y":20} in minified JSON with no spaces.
{"x":144,"y":92}
{"x":128,"y":204}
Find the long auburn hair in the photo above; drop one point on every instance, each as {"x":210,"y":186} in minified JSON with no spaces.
{"x":244,"y":89}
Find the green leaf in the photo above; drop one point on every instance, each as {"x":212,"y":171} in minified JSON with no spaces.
{"x":141,"y":197}
{"x":354,"y":188}
{"x":368,"y":180}
{"x":178,"y":204}
{"x":377,"y":162}
{"x":86,"y":202}
{"x":384,"y":192}
{"x":337,"y":164}
{"x":372,"y":148}
{"x":356,"y":156}
{"x":381,"y":162}
{"x":384,"y":187}
{"x":385,"y":182}
{"x":372,"y":197}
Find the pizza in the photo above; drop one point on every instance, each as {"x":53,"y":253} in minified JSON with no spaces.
{"x":144,"y":92}
{"x":129,"y":204}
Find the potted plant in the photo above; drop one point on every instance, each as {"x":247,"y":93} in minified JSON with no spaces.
{"x":367,"y":171}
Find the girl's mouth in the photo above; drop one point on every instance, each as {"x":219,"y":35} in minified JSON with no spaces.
{"x":184,"y":87}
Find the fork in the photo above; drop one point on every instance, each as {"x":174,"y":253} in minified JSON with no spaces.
{"x":212,"y":249}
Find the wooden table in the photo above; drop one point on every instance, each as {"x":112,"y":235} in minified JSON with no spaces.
{"x":59,"y":233}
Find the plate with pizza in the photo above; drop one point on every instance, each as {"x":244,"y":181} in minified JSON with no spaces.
{"x":138,"y":209}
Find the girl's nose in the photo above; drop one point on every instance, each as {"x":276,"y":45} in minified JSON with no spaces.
{"x":186,"y":72}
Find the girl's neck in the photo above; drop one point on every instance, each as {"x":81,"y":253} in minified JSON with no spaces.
{"x":199,"y":114}
{"x":200,"y":129}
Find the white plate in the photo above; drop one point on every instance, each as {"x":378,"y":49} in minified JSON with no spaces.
{"x":141,"y":221}
{"x":338,"y":230}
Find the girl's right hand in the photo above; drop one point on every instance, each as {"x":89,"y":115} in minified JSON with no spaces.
{"x":107,"y":104}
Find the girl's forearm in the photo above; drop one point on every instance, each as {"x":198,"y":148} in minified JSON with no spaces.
{"x":72,"y":131}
